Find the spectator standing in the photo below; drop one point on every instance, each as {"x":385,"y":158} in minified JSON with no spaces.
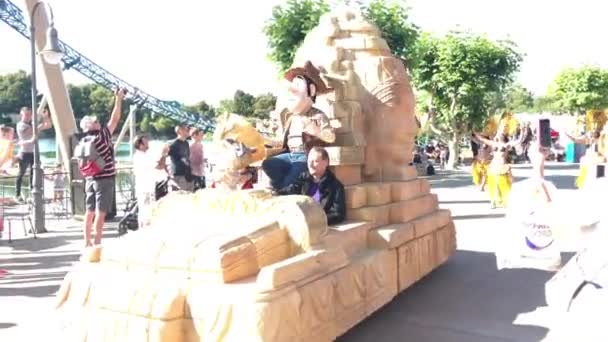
{"x":25,"y":133}
{"x":197,"y":158}
{"x":100,"y":187}
{"x":179,"y":154}
{"x":148,"y":171}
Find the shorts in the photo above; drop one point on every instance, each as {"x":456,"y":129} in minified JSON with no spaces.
{"x":100,"y":193}
{"x":183,"y":183}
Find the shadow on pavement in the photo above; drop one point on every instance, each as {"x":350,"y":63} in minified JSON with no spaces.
{"x":7,"y":325}
{"x":41,"y":243}
{"x":563,"y":182}
{"x":449,"y":179}
{"x":465,"y":202}
{"x":35,"y":276}
{"x":477,"y":216}
{"x":465,"y":300}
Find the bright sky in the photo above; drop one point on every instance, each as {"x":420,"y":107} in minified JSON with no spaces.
{"x":205,"y":50}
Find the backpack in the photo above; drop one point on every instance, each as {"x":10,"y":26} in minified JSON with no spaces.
{"x":430,"y":170}
{"x":90,"y":162}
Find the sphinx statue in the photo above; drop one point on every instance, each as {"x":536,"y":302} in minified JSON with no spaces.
{"x":245,"y":265}
{"x":373,"y":94}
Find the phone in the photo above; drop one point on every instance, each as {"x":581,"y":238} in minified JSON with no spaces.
{"x":544,"y":133}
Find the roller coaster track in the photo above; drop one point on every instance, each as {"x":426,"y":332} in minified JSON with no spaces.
{"x":13,"y":16}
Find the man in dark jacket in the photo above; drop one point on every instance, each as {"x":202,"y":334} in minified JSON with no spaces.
{"x":322,"y":185}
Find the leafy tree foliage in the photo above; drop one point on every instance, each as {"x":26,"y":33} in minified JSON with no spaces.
{"x":460,"y":72}
{"x":289,"y":24}
{"x":15,"y":92}
{"x":582,"y":89}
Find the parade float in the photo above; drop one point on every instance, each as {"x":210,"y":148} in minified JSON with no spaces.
{"x":240,"y":265}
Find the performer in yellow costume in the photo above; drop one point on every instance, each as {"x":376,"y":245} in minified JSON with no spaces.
{"x":480,"y":163}
{"x":595,"y":153}
{"x":499,"y":178}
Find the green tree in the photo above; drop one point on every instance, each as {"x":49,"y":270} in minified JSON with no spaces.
{"x":460,"y":71}
{"x":582,"y":89}
{"x":15,"y":92}
{"x":202,"y":108}
{"x":263,"y":105}
{"x":242,"y":103}
{"x":288,"y":26}
{"x":392,"y":18}
{"x":546,"y":103}
{"x":518,"y":99}
{"x":514,"y":98}
{"x":164,"y":126}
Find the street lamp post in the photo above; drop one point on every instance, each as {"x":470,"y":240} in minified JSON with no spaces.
{"x":52,"y":54}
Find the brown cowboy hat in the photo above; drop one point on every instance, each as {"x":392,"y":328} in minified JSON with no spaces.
{"x":310,"y":71}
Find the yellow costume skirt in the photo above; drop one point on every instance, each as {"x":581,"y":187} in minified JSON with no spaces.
{"x":479,"y":170}
{"x":582,"y":176}
{"x":499,"y":188}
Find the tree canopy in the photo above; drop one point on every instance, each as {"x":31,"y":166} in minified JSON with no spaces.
{"x":582,"y":89}
{"x":460,"y":72}
{"x":15,"y":92}
{"x":288,"y":26}
{"x":290,"y":22}
{"x":93,"y":99}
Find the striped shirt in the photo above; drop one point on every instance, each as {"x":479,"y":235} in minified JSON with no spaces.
{"x":103,"y":144}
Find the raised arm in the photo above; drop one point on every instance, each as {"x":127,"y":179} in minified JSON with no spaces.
{"x":117,"y":111}
{"x":578,"y":140}
{"x":484,"y":140}
{"x":46,"y":121}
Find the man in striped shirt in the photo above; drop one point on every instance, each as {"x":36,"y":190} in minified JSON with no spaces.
{"x":100,"y":188}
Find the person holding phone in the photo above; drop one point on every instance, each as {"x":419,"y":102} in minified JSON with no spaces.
{"x":100,"y":187}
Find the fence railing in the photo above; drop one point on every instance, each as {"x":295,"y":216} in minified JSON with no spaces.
{"x":57,"y":192}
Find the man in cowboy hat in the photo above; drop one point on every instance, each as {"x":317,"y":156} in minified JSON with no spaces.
{"x":306,"y":127}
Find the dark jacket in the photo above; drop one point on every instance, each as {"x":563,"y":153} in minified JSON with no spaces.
{"x":179,"y":153}
{"x":333,"y":200}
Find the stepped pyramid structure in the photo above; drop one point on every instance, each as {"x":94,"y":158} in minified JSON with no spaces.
{"x":246,"y":266}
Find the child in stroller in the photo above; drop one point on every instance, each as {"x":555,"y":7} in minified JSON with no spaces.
{"x":131,"y":219}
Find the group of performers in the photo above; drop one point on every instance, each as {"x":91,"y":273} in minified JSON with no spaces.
{"x":491,"y":165}
{"x":491,"y":168}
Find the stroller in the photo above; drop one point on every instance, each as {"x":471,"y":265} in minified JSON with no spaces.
{"x":131,"y":219}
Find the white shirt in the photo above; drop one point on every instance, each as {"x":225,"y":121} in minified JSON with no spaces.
{"x":145,"y":171}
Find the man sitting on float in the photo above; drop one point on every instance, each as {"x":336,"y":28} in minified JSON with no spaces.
{"x":322,"y":185}
{"x":305,"y":128}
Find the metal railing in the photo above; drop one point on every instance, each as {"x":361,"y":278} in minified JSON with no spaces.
{"x":57,"y":192}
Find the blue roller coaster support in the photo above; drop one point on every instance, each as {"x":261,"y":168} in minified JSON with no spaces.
{"x":13,"y":16}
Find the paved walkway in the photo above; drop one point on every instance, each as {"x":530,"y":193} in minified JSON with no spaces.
{"x":466,"y":300}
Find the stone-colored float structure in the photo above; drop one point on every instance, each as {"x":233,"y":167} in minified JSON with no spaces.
{"x":244,"y":266}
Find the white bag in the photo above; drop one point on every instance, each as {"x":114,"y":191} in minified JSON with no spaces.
{"x":528,"y":239}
